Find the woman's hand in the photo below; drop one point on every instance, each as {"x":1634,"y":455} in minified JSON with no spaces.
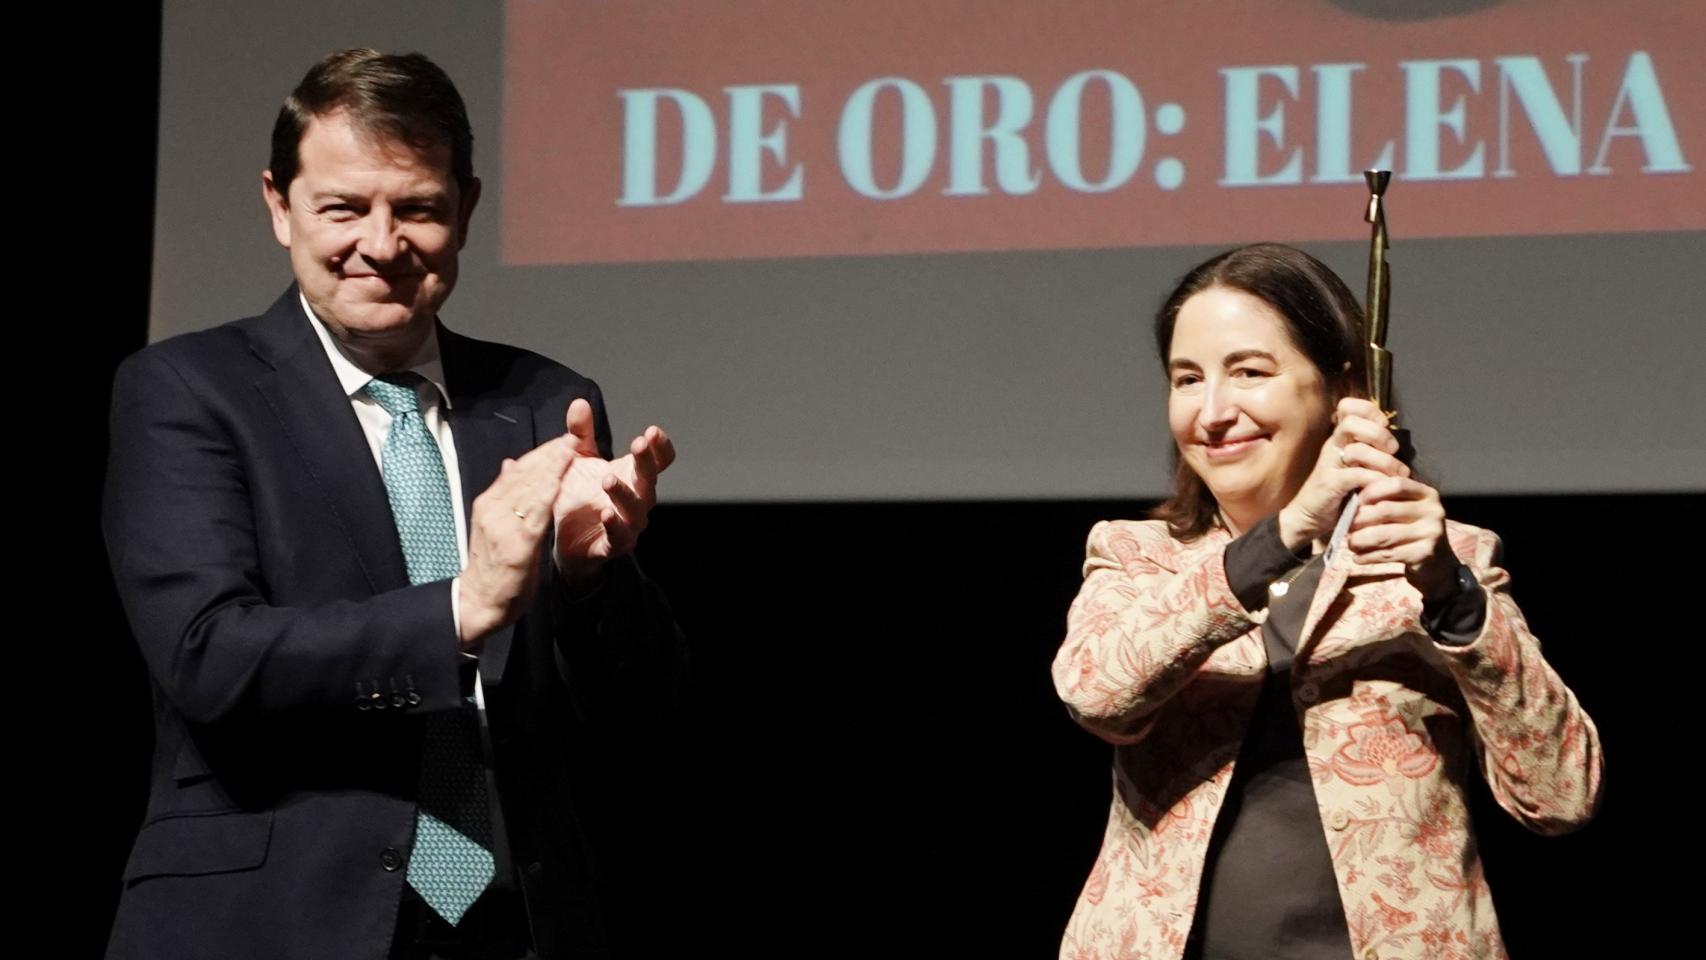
{"x":1400,"y":519}
{"x":1360,"y":452}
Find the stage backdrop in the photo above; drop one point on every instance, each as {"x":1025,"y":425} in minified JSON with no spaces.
{"x":909,"y":248}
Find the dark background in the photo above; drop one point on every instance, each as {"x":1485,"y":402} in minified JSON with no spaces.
{"x":873,"y":759}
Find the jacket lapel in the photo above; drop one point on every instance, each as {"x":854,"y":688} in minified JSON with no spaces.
{"x":490,"y":422}
{"x":1326,"y":592}
{"x":314,"y":412}
{"x":1335,"y":580}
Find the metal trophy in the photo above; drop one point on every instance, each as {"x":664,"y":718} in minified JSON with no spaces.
{"x":1378,"y":369}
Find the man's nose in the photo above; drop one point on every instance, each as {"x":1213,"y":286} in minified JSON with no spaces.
{"x":380,"y":240}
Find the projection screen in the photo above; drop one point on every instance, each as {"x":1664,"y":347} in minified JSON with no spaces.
{"x":909,"y":249}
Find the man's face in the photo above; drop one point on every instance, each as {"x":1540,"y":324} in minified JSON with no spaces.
{"x":373,"y":228}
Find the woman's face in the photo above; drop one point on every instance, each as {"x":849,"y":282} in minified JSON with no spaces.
{"x":1246,"y":407}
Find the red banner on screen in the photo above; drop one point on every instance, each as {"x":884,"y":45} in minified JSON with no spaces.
{"x":643,"y":131}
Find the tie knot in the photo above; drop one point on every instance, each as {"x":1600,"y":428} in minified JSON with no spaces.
{"x":396,"y":393}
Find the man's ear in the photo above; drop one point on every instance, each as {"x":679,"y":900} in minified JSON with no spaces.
{"x":278,"y":208}
{"x":470,"y":198}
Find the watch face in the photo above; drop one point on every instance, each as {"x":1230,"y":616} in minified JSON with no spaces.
{"x":1465,"y":579}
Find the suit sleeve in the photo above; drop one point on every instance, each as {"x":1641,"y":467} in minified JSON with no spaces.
{"x":1138,"y":631}
{"x":1539,"y":750}
{"x":178,"y":514}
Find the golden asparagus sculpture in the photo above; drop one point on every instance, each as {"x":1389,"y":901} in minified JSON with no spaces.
{"x":1379,"y":365}
{"x":1379,"y":296}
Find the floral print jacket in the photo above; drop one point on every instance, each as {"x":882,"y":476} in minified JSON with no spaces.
{"x":1162,"y":661}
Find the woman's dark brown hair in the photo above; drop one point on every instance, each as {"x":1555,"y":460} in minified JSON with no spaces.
{"x":1321,"y":316}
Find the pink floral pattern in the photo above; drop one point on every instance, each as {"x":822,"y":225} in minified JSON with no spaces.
{"x":1381,"y":749}
{"x":1161,"y":660}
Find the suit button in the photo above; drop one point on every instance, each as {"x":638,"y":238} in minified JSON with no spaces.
{"x":412,"y":698}
{"x":1370,"y":954}
{"x":390,"y":859}
{"x":1338,"y":820}
{"x":1308,"y":692}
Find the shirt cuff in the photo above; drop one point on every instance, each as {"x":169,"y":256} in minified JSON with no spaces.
{"x":1457,"y":620}
{"x":456,"y":613}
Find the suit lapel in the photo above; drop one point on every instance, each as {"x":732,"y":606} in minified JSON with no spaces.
{"x":489,"y":422}
{"x":1332,"y":581}
{"x":1335,"y":580}
{"x":314,"y":412}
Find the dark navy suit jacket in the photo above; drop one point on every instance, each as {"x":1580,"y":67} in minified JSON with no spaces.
{"x":292,"y":661}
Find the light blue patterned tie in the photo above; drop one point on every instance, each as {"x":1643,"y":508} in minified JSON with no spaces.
{"x":452,"y":860}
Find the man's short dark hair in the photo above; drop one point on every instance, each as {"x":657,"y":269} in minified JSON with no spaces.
{"x":399,"y":97}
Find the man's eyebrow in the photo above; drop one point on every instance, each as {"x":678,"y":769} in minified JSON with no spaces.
{"x":428,"y":196}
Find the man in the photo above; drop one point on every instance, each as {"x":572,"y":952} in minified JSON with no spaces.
{"x":371,"y":686}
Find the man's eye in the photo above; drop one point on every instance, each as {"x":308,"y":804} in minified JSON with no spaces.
{"x":338,"y":211}
{"x":1186,"y":380}
{"x":1250,"y":373}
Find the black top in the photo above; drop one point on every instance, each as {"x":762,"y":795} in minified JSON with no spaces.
{"x":1268,"y":887}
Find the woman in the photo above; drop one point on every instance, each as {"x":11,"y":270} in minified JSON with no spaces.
{"x":1292,"y":734}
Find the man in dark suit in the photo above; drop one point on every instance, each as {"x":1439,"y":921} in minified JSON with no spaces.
{"x":371,"y":687}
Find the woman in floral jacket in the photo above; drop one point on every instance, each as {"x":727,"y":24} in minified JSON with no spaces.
{"x":1294,"y":720}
